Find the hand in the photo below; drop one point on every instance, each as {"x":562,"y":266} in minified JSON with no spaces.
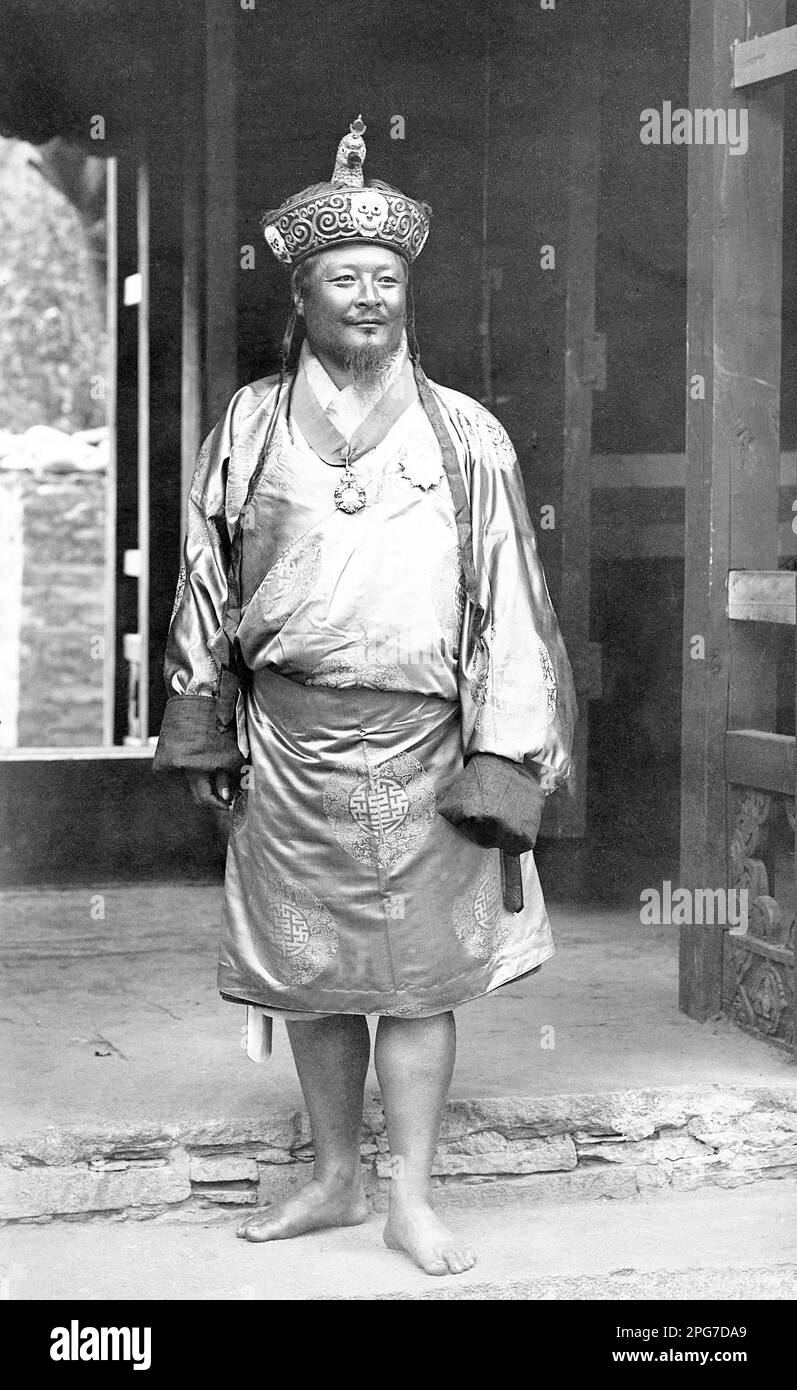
{"x":215,"y":789}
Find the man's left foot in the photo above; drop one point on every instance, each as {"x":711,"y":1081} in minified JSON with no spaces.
{"x":415,"y":1228}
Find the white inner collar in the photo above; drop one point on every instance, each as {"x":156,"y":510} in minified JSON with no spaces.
{"x":345,"y":408}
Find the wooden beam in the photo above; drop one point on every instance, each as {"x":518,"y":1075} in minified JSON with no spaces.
{"x":660,"y":541}
{"x":661,"y":470}
{"x":143,"y":449}
{"x":175,"y":389}
{"x":582,"y":236}
{"x":794,"y":871}
{"x":762,"y":596}
{"x":761,"y":760}
{"x":733,"y":345}
{"x":76,"y":754}
{"x":221,"y":219}
{"x":771,"y":55}
{"x":192,"y":385}
{"x":126,"y":436}
{"x":111,"y":375}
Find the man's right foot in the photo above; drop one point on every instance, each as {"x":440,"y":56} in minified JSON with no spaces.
{"x":313,"y":1208}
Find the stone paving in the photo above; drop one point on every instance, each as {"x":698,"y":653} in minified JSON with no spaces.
{"x":738,"y":1244}
{"x":125,"y":1088}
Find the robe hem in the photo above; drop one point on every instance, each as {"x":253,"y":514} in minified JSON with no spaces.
{"x":420,"y":1012}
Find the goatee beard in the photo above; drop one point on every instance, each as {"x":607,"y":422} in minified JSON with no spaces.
{"x":368,"y":367}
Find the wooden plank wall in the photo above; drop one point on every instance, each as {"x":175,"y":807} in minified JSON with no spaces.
{"x":733,"y":343}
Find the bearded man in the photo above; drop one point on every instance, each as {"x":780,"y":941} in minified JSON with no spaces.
{"x":364,"y":662}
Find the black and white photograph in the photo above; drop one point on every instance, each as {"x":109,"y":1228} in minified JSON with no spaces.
{"x":398,"y":588}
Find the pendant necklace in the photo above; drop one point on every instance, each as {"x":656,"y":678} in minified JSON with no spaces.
{"x":349,"y":495}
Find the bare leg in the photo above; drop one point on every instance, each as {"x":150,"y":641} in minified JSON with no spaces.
{"x":331,"y":1056}
{"x":414,"y":1062}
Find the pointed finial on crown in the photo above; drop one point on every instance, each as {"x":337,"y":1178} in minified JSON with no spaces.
{"x":348,"y":171}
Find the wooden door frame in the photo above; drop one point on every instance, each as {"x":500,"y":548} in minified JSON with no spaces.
{"x":733,"y":461}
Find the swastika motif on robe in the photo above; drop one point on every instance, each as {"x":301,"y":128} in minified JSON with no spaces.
{"x":381,"y":805}
{"x":287,"y":584}
{"x":298,"y":935}
{"x":380,"y":816}
{"x":548,"y":677}
{"x":480,"y":921}
{"x":292,"y":928}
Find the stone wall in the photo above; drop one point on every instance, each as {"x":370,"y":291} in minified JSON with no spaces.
{"x":52,"y":577}
{"x":554,"y":1148}
{"x":52,"y":295}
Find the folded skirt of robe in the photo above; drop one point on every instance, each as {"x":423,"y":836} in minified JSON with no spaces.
{"x":345,"y":891}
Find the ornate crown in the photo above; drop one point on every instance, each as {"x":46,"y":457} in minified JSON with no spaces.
{"x":346,"y":209}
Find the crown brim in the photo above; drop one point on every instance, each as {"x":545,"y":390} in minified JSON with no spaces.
{"x":332,"y":216}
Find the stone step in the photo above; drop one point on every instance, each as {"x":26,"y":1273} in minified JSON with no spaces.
{"x":493,"y":1152}
{"x":708,"y":1244}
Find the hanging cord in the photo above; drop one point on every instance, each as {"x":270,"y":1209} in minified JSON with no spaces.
{"x":412,"y":338}
{"x":456,"y":482}
{"x":285,"y":352}
{"x":451,"y":466}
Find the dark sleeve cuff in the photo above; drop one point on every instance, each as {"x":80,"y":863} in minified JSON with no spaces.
{"x":189,"y":738}
{"x":496,"y":803}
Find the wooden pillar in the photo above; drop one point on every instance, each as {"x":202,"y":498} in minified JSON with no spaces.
{"x":221,"y":225}
{"x":143,"y":225}
{"x":111,"y":387}
{"x":126,"y":520}
{"x":192,"y":386}
{"x":733,"y":377}
{"x":175,"y":382}
{"x":581,"y":378}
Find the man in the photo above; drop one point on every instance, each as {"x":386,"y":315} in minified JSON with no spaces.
{"x":364,"y":661}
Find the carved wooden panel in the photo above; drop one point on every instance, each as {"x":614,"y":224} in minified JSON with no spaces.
{"x":758,"y":958}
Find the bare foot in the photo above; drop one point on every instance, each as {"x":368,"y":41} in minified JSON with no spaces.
{"x":415,"y":1228}
{"x":312,"y":1208}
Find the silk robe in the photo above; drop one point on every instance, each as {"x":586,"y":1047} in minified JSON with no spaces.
{"x":373,"y":674}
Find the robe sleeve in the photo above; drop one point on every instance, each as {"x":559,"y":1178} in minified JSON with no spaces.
{"x":190,"y":735}
{"x":516,"y":686}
